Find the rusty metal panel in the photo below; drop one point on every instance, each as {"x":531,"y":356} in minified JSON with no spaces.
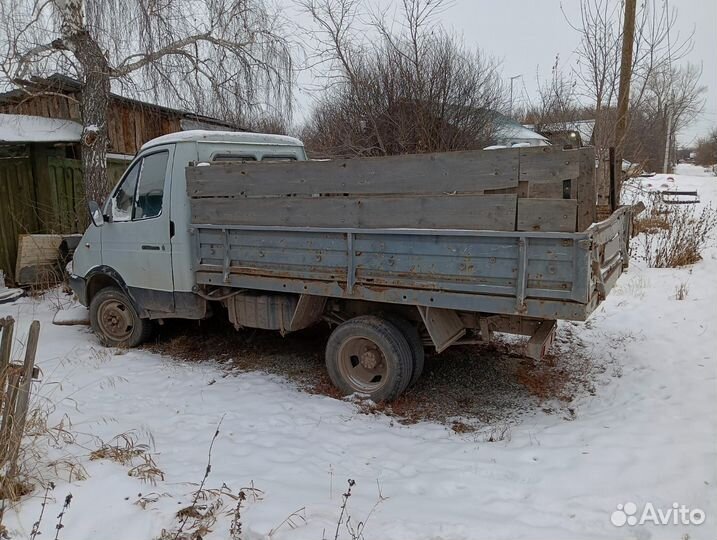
{"x":546,"y":275}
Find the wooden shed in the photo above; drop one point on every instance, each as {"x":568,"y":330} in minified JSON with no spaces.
{"x":41,"y":186}
{"x":131,"y":123}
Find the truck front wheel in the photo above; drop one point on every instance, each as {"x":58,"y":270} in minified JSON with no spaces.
{"x":371,"y":356}
{"x":115,"y":320}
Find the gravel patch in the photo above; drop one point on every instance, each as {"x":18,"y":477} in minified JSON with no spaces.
{"x":467,"y":387}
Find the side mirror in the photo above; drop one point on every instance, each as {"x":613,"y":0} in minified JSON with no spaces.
{"x":96,"y":214}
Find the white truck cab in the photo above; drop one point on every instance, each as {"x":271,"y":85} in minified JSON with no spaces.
{"x":142,"y":244}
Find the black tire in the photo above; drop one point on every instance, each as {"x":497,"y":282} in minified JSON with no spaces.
{"x":371,"y":356}
{"x":115,"y":320}
{"x":411,"y":334}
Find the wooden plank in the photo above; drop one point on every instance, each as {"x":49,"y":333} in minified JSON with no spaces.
{"x":548,"y":164}
{"x":37,"y":256}
{"x":546,"y":190}
{"x":448,"y":172}
{"x":8,"y":409}
{"x":547,"y":215}
{"x":586,"y":188}
{"x":23,"y":397}
{"x":7,"y":326}
{"x":490,"y":212}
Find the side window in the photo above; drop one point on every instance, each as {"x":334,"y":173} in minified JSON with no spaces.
{"x":151,"y":186}
{"x":278,"y":158}
{"x":233,"y":157}
{"x":122,"y":202}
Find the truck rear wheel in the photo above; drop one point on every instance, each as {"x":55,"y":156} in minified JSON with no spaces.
{"x":115,"y":320}
{"x":371,"y":356}
{"x":411,"y":334}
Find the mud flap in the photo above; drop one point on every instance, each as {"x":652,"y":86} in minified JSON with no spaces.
{"x":444,"y":326}
{"x":541,"y":340}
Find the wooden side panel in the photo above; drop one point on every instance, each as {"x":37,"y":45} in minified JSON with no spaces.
{"x":586,"y":188}
{"x":547,"y":215}
{"x":490,"y":212}
{"x":450,"y":172}
{"x":548,"y":164}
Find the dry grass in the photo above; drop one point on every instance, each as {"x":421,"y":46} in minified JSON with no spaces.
{"x":672,"y":236}
{"x":650,"y":224}
{"x":121,"y":449}
{"x":125,"y":450}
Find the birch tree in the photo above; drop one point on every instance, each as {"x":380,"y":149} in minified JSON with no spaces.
{"x":209,"y":56}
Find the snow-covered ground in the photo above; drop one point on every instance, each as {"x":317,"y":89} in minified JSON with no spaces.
{"x":647,"y":435}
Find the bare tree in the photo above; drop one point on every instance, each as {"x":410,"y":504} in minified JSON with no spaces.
{"x":207,"y":55}
{"x":673,"y":98}
{"x":706,"y":151}
{"x":557,"y":104}
{"x":656,"y":45}
{"x":398,"y":85}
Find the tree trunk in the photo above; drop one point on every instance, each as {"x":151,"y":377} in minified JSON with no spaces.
{"x":95,"y":97}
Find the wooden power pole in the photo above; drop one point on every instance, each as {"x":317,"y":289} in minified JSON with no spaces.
{"x":623,"y":99}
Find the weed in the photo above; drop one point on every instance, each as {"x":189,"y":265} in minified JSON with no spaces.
{"x":121,"y":449}
{"x":36,"y":526}
{"x":235,"y":525}
{"x":291,"y":521}
{"x":65,"y":507}
{"x":680,"y":240}
{"x":681,"y":291}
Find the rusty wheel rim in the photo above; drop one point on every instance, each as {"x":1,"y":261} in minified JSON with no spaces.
{"x":115,"y":320}
{"x":363,"y":365}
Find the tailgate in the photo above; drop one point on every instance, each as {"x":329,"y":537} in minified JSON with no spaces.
{"x":609,"y":250}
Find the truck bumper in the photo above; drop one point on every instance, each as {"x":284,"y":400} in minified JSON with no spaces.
{"x":79,"y":287}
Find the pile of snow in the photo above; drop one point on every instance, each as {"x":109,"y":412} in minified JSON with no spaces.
{"x":20,"y":128}
{"x":648,"y":436}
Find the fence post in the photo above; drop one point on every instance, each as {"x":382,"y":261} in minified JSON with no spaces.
{"x":23,"y":396}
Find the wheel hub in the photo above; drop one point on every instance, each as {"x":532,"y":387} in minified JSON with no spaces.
{"x":115,"y":320}
{"x":362,"y":364}
{"x":369,"y":359}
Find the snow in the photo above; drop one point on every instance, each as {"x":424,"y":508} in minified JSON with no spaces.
{"x":21,"y":128}
{"x":237,"y":137}
{"x":72,"y":315}
{"x":647,"y":435}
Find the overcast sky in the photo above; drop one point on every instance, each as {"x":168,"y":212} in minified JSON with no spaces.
{"x":527,"y":34}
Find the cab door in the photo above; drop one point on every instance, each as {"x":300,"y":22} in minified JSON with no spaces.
{"x":136,"y":239}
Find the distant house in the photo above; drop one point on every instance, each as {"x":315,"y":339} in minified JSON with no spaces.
{"x":508,"y":133}
{"x":570,"y":134}
{"x":41,"y":187}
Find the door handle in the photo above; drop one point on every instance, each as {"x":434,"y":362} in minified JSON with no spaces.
{"x":152,"y":248}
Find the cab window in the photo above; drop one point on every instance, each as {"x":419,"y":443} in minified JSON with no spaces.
{"x":141,"y":192}
{"x":122,"y":202}
{"x":150,"y":192}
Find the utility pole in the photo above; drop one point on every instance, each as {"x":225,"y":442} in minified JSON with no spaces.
{"x":623,"y":99}
{"x":511,"y":93}
{"x":668,"y":137}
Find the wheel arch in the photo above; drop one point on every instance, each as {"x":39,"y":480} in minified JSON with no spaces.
{"x":102,"y":277}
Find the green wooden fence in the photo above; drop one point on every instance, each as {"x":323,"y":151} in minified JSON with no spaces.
{"x":42,"y":193}
{"x":17,"y":208}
